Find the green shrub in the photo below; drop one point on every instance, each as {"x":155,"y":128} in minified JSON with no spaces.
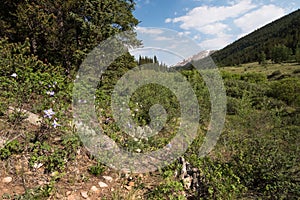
{"x":170,"y":189}
{"x":218,"y":180}
{"x":97,"y":169}
{"x":287,"y":90}
{"x":10,"y":148}
{"x":254,"y":77}
{"x":230,"y":76}
{"x":232,"y":106}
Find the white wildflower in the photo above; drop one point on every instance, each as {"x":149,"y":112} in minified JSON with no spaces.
{"x":14,"y":75}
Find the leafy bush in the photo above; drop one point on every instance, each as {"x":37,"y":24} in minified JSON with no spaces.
{"x":97,"y":169}
{"x":170,"y":189}
{"x":261,"y":157}
{"x":287,"y":90}
{"x":254,"y":77}
{"x":10,"y":148}
{"x":232,"y":105}
{"x":218,"y":180}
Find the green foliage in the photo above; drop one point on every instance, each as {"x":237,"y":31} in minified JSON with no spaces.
{"x":146,"y":60}
{"x":218,"y":180}
{"x":280,"y":53}
{"x":53,"y":158}
{"x":253,"y":77}
{"x":261,"y":158}
{"x":28,"y":83}
{"x":97,"y":169}
{"x":63,"y":32}
{"x":10,"y":148}
{"x":230,"y":76}
{"x":262,"y":58}
{"x":232,"y":105}
{"x":287,"y":90}
{"x":170,"y":189}
{"x":297,"y":55}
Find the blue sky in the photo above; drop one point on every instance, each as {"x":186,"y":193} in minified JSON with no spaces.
{"x":212,"y":24}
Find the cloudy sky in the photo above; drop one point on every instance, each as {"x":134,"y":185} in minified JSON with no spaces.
{"x":213,"y":24}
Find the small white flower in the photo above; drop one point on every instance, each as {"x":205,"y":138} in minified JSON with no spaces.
{"x":37,"y":165}
{"x":55,"y":124}
{"x":49,"y":113}
{"x":50,"y":93}
{"x":169,"y":146}
{"x":136,"y":110}
{"x":14,"y":75}
{"x":138,"y":150}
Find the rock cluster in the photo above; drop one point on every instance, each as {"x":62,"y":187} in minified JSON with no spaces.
{"x":189,"y":175}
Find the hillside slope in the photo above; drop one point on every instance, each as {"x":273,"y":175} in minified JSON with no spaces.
{"x":284,"y":31}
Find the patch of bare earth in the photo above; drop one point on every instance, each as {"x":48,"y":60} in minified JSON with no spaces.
{"x":75,"y":182}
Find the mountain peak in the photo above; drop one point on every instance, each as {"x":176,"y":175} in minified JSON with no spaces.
{"x":198,"y":56}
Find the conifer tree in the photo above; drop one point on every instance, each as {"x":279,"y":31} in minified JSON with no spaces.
{"x":280,"y":53}
{"x":64,"y":31}
{"x":262,"y":58}
{"x":297,"y":55}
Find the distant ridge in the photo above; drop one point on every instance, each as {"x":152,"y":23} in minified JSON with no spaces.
{"x":285,"y":30}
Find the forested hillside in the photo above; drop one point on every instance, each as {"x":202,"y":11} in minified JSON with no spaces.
{"x":282,"y":35}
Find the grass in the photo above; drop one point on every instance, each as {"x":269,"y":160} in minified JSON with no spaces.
{"x":284,"y":68}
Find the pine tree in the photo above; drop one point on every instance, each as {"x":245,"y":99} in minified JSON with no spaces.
{"x":155,"y":59}
{"x":297,"y":55}
{"x":280,"y":53}
{"x":64,"y":31}
{"x":262,"y":58}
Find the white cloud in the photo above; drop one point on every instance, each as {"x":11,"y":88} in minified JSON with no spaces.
{"x":218,"y":42}
{"x":258,"y":18}
{"x":204,"y":15}
{"x":162,"y":38}
{"x":214,"y":29}
{"x":224,"y":24}
{"x":185,"y":33}
{"x":168,"y":20}
{"x":197,"y":37}
{"x":154,"y":31}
